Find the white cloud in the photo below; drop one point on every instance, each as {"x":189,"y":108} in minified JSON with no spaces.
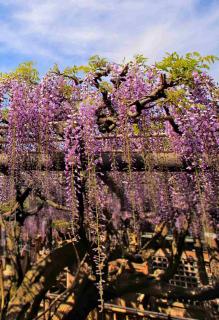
{"x":57,"y":30}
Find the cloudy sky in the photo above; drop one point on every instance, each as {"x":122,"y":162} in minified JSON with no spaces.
{"x":67,"y":32}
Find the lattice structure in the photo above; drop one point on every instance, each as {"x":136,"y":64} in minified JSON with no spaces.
{"x":187,"y":274}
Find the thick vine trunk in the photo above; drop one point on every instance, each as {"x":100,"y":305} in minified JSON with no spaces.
{"x":26,"y":300}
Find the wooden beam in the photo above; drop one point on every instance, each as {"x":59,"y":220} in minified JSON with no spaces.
{"x":155,"y":161}
{"x":111,"y":161}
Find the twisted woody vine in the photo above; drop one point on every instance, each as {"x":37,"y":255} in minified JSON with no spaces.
{"x":93,"y":155}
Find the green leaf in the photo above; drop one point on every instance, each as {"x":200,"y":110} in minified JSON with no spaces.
{"x":182,"y":67}
{"x":136,"y":129}
{"x":96,"y":62}
{"x":25,"y":72}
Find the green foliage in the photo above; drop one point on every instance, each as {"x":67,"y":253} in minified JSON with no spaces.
{"x":68,"y":71}
{"x":25,"y":72}
{"x":95,"y":62}
{"x":141,"y":60}
{"x":4,"y":114}
{"x":105,"y":86}
{"x":174,"y":96}
{"x":5,"y":208}
{"x":157,"y":126}
{"x":136,"y":129}
{"x":181,"y":67}
{"x":66,"y":91}
{"x":60,"y":224}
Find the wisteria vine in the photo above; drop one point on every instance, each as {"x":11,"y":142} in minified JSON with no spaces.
{"x":61,"y":115}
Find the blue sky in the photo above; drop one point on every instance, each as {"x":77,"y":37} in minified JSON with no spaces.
{"x":67,"y":32}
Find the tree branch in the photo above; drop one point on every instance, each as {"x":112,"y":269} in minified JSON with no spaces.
{"x":152,"y":245}
{"x":19,"y":203}
{"x":25,"y":302}
{"x":155,"y":95}
{"x":120,"y":193}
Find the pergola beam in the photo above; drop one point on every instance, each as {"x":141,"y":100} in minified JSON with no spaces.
{"x":115,"y":161}
{"x":152,"y":161}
